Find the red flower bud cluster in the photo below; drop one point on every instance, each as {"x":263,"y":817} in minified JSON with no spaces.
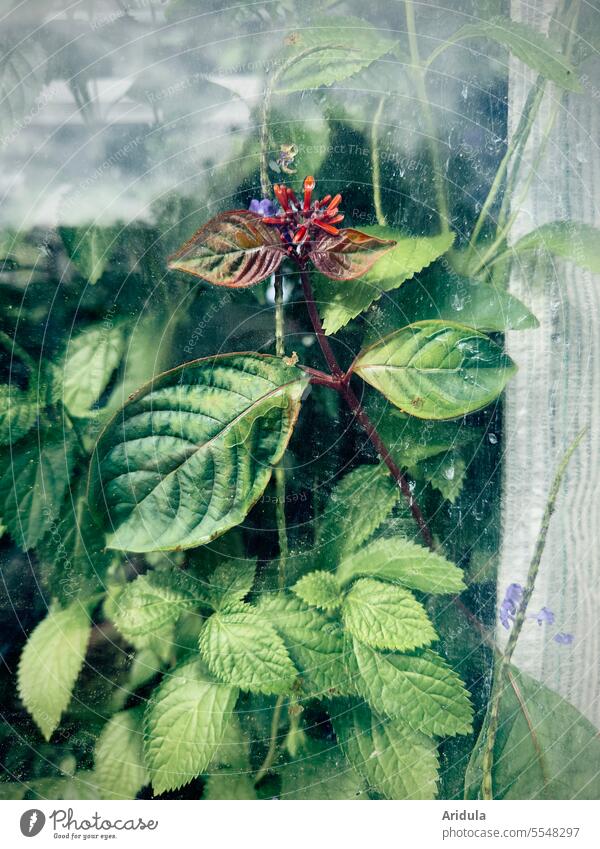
{"x":298,"y":222}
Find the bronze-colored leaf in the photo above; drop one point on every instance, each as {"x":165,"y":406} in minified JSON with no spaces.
{"x":235,"y":249}
{"x":347,"y":255}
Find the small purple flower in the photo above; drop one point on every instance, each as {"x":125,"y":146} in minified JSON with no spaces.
{"x":508,"y":608}
{"x":545,"y":615}
{"x":563,"y":639}
{"x":264,"y":207}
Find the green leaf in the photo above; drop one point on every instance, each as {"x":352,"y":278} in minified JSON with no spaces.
{"x":320,"y":589}
{"x":436,"y":370}
{"x":445,"y":473}
{"x":419,"y":689}
{"x":73,"y":560}
{"x":90,"y":360}
{"x":119,"y":756}
{"x":190,"y":454}
{"x":230,"y":786}
{"x":50,"y":663}
{"x":526,"y":43}
{"x":487,"y":307}
{"x":397,"y":762}
{"x":321,"y":774}
{"x":399,"y":560}
{"x":18,"y":412}
{"x":151,"y":603}
{"x":572,"y":240}
{"x":235,"y":249}
{"x":89,"y":248}
{"x":316,"y":644}
{"x":241,"y":647}
{"x":339,"y":302}
{"x":185,"y":721}
{"x":336,"y":48}
{"x":358,"y":504}
{"x":386,"y":617}
{"x":545,"y":748}
{"x":347,"y":255}
{"x":34,"y":484}
{"x":231,"y":582}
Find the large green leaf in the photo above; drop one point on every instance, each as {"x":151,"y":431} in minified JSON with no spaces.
{"x":316,"y":644}
{"x":419,"y":689}
{"x":526,"y":43}
{"x":90,"y":360}
{"x":322,"y":773}
{"x":436,"y":370}
{"x":185,"y":721}
{"x":50,"y":663}
{"x":235,"y":249}
{"x":18,"y":412}
{"x":339,"y":302}
{"x":231,"y":582}
{"x":358,"y":504}
{"x":402,"y":561}
{"x":398,"y":763}
{"x":545,"y":748}
{"x":190,"y":454}
{"x":119,"y":756}
{"x":33,"y":485}
{"x":572,"y":240}
{"x":386,"y":617}
{"x":241,"y":647}
{"x":335,"y":49}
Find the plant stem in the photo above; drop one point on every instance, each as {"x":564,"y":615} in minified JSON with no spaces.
{"x":504,"y":661}
{"x":375,"y":164}
{"x":280,"y":498}
{"x":272,"y":751}
{"x":361,"y":416}
{"x":279,"y":316}
{"x":432,"y":140}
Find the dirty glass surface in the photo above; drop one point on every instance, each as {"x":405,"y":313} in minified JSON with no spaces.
{"x":254,"y":435}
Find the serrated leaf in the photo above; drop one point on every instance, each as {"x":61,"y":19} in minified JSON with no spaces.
{"x":89,"y":248}
{"x":386,"y":617}
{"x":34,"y":484}
{"x":339,"y":48}
{"x":545,"y":748}
{"x":185,"y":721}
{"x":235,"y":249}
{"x":527,"y":44}
{"x":229,"y":786}
{"x":151,"y":603}
{"x":320,"y":589}
{"x":316,"y":644}
{"x":358,"y":504}
{"x":321,"y":774}
{"x":340,"y":302}
{"x":231,"y":582}
{"x":436,"y":370}
{"x":189,"y":455}
{"x":119,"y":757}
{"x":348,"y":255}
{"x":445,"y":473}
{"x":18,"y":412}
{"x":90,"y":360}
{"x":571,"y":240}
{"x":397,"y":762}
{"x":241,"y":647}
{"x":419,"y":689}
{"x":50,"y":663}
{"x":397,"y":559}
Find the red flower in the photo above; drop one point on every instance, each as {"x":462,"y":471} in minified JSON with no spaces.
{"x":298,"y":222}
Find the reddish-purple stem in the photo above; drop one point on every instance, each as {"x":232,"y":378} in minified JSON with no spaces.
{"x":341,"y":383}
